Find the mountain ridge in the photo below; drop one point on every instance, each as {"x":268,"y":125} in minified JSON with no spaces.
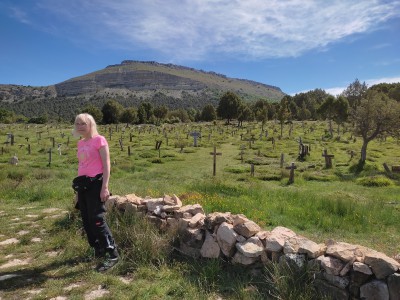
{"x":131,"y":83}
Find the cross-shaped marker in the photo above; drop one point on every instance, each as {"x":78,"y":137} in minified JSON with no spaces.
{"x":215,"y":153}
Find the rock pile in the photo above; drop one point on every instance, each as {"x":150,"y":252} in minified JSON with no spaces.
{"x":342,"y":270}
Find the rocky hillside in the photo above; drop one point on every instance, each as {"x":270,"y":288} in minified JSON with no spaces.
{"x":134,"y":76}
{"x":131,"y":83}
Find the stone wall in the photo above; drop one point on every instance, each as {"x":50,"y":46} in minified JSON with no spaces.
{"x":342,"y":270}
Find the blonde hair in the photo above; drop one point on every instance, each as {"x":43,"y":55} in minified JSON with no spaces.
{"x":85,"y":117}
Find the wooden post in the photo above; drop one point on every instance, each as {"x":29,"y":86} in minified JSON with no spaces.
{"x":282,"y":159}
{"x":29,"y":148}
{"x":121,"y":145}
{"x":215,"y":153}
{"x":292,"y":167}
{"x":49,"y":158}
{"x":129,"y":150}
{"x":252,"y":170}
{"x":328,"y":159}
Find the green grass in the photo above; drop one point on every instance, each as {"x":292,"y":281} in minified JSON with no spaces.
{"x":346,"y":203}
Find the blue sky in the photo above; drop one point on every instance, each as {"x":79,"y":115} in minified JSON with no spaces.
{"x":297,"y":45}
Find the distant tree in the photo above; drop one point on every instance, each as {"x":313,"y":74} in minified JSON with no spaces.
{"x":192,"y":112}
{"x":208,"y":113}
{"x":129,"y":115}
{"x":160,"y":112}
{"x":43,"y":119}
{"x":228,"y":106}
{"x":303,"y":113}
{"x":283,"y":113}
{"x":145,"y":113}
{"x":260,"y":110}
{"x":245,"y":114}
{"x":355,"y":92}
{"x":328,"y":110}
{"x":375,"y":115}
{"x":390,"y":89}
{"x":94,"y":111}
{"x":341,"y":111}
{"x":6,"y":116}
{"x":111,"y":112}
{"x":180,"y":115}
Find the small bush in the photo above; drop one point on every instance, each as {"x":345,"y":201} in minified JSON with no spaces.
{"x":375,"y":181}
{"x":156,"y":161}
{"x":16,"y":175}
{"x":42,"y":174}
{"x":237,"y":170}
{"x":145,"y":154}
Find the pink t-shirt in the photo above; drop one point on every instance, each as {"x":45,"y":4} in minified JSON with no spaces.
{"x":89,"y":158}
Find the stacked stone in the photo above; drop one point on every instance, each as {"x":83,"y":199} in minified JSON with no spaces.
{"x":342,"y":270}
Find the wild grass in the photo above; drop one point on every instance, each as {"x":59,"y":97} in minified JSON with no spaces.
{"x":349,"y":202}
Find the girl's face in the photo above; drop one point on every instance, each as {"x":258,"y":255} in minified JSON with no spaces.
{"x":82,"y":127}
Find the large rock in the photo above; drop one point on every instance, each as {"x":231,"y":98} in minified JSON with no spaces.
{"x":189,"y":209}
{"x":381,"y":264}
{"x":338,"y":281}
{"x":193,"y":237}
{"x":293,"y":259}
{"x":153,"y":203}
{"x":394,"y":286}
{"x":239,"y":219}
{"x":247,"y":229}
{"x":132,"y":198}
{"x":374,"y":290}
{"x":298,"y":244}
{"x":197,"y":220}
{"x":330,"y":291}
{"x":276,"y":240}
{"x":251,"y":248}
{"x":362,"y":268}
{"x":346,"y":252}
{"x":239,"y":258}
{"x":331,"y":265}
{"x":210,"y":248}
{"x":226,"y":238}
{"x":214,"y":219}
{"x":172,"y":201}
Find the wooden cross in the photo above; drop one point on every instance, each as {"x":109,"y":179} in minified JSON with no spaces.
{"x":328,"y":159}
{"x":215,"y":153}
{"x":292,"y":167}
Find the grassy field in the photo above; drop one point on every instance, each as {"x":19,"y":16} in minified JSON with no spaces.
{"x":342,"y":203}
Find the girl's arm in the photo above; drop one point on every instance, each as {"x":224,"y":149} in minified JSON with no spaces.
{"x":105,"y":159}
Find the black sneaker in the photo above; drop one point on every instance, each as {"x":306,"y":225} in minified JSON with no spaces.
{"x":107,"y":264}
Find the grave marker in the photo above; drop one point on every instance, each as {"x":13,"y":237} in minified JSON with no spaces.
{"x":328,"y":159}
{"x":292,"y":167}
{"x":215,"y":153}
{"x":195,"y":136}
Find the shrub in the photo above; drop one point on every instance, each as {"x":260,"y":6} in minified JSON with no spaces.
{"x":375,"y":181}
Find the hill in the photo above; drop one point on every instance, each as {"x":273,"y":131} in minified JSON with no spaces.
{"x":131,"y":83}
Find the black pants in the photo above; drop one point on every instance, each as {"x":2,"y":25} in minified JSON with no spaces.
{"x":92,"y":212}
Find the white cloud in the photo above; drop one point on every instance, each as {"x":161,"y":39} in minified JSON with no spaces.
{"x":191,"y":29}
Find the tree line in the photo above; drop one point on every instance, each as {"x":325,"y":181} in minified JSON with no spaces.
{"x":372,"y":111}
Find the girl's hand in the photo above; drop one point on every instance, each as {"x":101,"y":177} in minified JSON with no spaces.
{"x":104,"y":194}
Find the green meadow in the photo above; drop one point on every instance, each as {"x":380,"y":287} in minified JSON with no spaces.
{"x":344,"y":203}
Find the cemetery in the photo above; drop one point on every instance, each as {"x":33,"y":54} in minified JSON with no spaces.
{"x":299,"y":189}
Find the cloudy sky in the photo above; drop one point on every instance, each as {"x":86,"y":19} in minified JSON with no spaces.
{"x":297,"y":45}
